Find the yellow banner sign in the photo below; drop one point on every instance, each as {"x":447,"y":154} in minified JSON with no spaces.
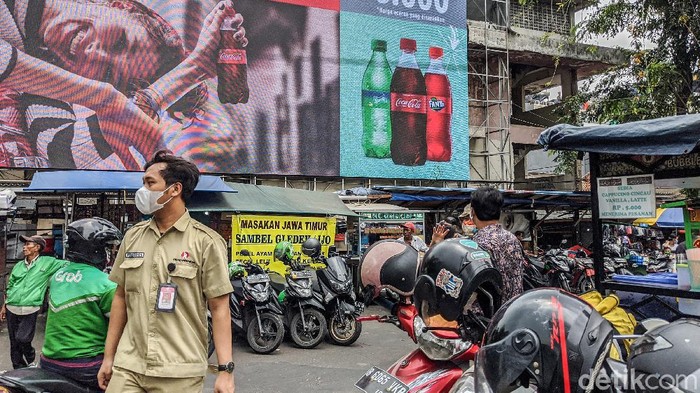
{"x":259,"y":234}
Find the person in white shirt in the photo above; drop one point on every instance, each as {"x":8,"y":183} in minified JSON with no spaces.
{"x":408,"y":237}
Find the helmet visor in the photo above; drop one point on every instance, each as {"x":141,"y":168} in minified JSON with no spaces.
{"x":499,"y":365}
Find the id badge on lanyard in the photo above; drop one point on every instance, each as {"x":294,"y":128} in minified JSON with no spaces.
{"x":167,"y":295}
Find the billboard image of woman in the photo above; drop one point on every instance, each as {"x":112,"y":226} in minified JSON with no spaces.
{"x":102,"y":84}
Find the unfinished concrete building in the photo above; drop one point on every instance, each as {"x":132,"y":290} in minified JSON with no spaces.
{"x":516,"y":52}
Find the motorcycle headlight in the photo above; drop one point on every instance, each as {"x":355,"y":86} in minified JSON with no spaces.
{"x":302,"y":287}
{"x":438,"y":348}
{"x":340,"y":287}
{"x":258,"y":292}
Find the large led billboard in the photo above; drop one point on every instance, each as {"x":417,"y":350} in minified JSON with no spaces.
{"x":274,"y":87}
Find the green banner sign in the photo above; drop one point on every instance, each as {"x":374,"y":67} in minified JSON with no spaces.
{"x":393,"y":216}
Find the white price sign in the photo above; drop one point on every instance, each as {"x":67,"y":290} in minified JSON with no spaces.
{"x":627,"y":197}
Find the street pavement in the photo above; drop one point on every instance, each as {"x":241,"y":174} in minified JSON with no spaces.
{"x":326,"y":368}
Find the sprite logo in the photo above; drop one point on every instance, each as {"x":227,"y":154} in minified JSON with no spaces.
{"x":436,"y":104}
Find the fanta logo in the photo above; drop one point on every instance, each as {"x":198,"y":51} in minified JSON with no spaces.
{"x":68,"y":277}
{"x":414,"y":103}
{"x":185,"y":255}
{"x":436,"y":104}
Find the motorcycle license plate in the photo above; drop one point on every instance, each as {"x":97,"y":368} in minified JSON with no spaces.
{"x":377,"y":380}
{"x":301,"y":274}
{"x":258,"y":278}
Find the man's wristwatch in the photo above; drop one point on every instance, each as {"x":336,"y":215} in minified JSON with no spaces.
{"x":228,"y":367}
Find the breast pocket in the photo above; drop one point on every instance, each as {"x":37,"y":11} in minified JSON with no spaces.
{"x":132,"y":274}
{"x":184,"y":271}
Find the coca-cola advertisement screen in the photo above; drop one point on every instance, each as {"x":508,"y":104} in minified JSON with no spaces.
{"x":242,"y":86}
{"x":277,"y":87}
{"x":403,"y":90}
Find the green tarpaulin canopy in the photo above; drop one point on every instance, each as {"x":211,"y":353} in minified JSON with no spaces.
{"x":266,"y":199}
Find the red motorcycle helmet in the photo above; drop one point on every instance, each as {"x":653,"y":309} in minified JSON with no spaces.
{"x":547,"y":337}
{"x":389,"y":264}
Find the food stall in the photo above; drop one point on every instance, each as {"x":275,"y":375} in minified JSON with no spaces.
{"x":627,"y":161}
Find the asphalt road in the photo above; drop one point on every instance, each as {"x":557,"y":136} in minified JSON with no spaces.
{"x":326,"y":368}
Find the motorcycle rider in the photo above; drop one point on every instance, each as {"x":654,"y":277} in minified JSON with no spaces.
{"x":80,"y":297}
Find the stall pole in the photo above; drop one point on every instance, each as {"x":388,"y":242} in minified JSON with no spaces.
{"x":598,"y":263}
{"x":66,"y":221}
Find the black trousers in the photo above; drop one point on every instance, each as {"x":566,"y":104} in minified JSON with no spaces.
{"x":21,"y":329}
{"x":82,"y":370}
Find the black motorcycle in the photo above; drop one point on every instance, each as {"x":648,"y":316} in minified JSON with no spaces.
{"x":558,"y":266}
{"x":303,"y":308}
{"x":337,"y":294}
{"x":255,"y":310}
{"x":37,"y":380}
{"x":535,"y":273}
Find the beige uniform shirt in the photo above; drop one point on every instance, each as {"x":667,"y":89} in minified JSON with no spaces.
{"x":163,"y":344}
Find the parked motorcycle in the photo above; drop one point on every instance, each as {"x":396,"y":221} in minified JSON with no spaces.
{"x":535,"y":273}
{"x":37,"y":380}
{"x":255,"y":310}
{"x":583,"y":276}
{"x":446,"y":344}
{"x":303,"y":308}
{"x":435,"y":366}
{"x":557,"y":263}
{"x":337,"y":294}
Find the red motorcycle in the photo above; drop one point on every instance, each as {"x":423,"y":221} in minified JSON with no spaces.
{"x":439,"y":304}
{"x":435,"y":366}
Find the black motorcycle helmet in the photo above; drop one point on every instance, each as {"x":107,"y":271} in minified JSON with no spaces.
{"x":546,"y":336}
{"x":667,"y":359}
{"x":90,"y":241}
{"x":311,"y":248}
{"x":388,"y":264}
{"x":454,"y":274}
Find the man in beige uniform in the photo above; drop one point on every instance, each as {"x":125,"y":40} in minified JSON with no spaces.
{"x":168,"y":270}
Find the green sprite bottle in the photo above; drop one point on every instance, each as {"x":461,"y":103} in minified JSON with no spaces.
{"x":376,"y":106}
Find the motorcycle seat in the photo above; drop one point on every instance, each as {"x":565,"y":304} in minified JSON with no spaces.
{"x":277,"y":283}
{"x":45,"y":381}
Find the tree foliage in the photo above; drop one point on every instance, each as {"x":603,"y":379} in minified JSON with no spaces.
{"x":662,"y":77}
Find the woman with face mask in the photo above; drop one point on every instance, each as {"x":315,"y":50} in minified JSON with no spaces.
{"x":107,"y":81}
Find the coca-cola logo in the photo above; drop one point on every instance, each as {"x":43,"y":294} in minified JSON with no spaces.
{"x":230,"y":56}
{"x":413,"y":103}
{"x":436,"y":104}
{"x":425,"y":5}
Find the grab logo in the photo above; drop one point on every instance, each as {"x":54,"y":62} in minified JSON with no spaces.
{"x":68,"y":277}
{"x":425,"y":5}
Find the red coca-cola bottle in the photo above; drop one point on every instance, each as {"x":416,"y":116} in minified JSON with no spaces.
{"x":439,"y":99}
{"x":14,"y":146}
{"x":232,"y":65}
{"x":408,"y":112}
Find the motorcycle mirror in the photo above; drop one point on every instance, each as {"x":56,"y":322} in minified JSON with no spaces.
{"x":564,"y":241}
{"x":245,"y":252}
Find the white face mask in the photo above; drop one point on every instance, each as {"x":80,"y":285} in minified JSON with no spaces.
{"x":147,"y":200}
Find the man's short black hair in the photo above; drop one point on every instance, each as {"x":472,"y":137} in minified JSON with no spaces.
{"x":177,"y":170}
{"x":487,"y":203}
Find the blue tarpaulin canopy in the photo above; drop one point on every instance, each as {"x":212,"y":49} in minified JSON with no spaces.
{"x":665,"y":218}
{"x":100,"y":181}
{"x":435,"y":197}
{"x":673,"y":135}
